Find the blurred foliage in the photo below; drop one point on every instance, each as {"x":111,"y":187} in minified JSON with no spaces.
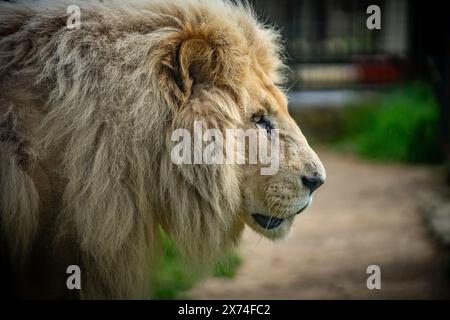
{"x":226,"y":267}
{"x":404,"y":127}
{"x":173,"y":277}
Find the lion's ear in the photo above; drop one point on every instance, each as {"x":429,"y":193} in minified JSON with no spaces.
{"x":196,"y":63}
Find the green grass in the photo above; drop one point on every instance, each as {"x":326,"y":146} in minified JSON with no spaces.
{"x":226,"y":267}
{"x":173,"y":277}
{"x":402,"y":128}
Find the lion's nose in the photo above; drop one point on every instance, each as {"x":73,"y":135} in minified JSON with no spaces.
{"x":312,"y":182}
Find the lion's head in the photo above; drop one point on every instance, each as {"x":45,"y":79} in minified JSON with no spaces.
{"x":229,"y":72}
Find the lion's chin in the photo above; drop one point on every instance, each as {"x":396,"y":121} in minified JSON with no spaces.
{"x":272,"y":228}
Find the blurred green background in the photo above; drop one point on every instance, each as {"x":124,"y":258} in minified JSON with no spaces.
{"x":399,"y":124}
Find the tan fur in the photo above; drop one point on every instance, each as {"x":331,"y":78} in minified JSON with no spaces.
{"x":85,"y":123}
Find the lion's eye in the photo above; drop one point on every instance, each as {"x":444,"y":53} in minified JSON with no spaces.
{"x":262,"y":122}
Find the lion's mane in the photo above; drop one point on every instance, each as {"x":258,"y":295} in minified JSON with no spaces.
{"x":85,"y":170}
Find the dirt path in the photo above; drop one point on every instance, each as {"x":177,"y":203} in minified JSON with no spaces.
{"x":365,"y":214}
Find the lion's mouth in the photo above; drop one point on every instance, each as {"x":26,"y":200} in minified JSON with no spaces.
{"x":267,"y":222}
{"x":301,"y":210}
